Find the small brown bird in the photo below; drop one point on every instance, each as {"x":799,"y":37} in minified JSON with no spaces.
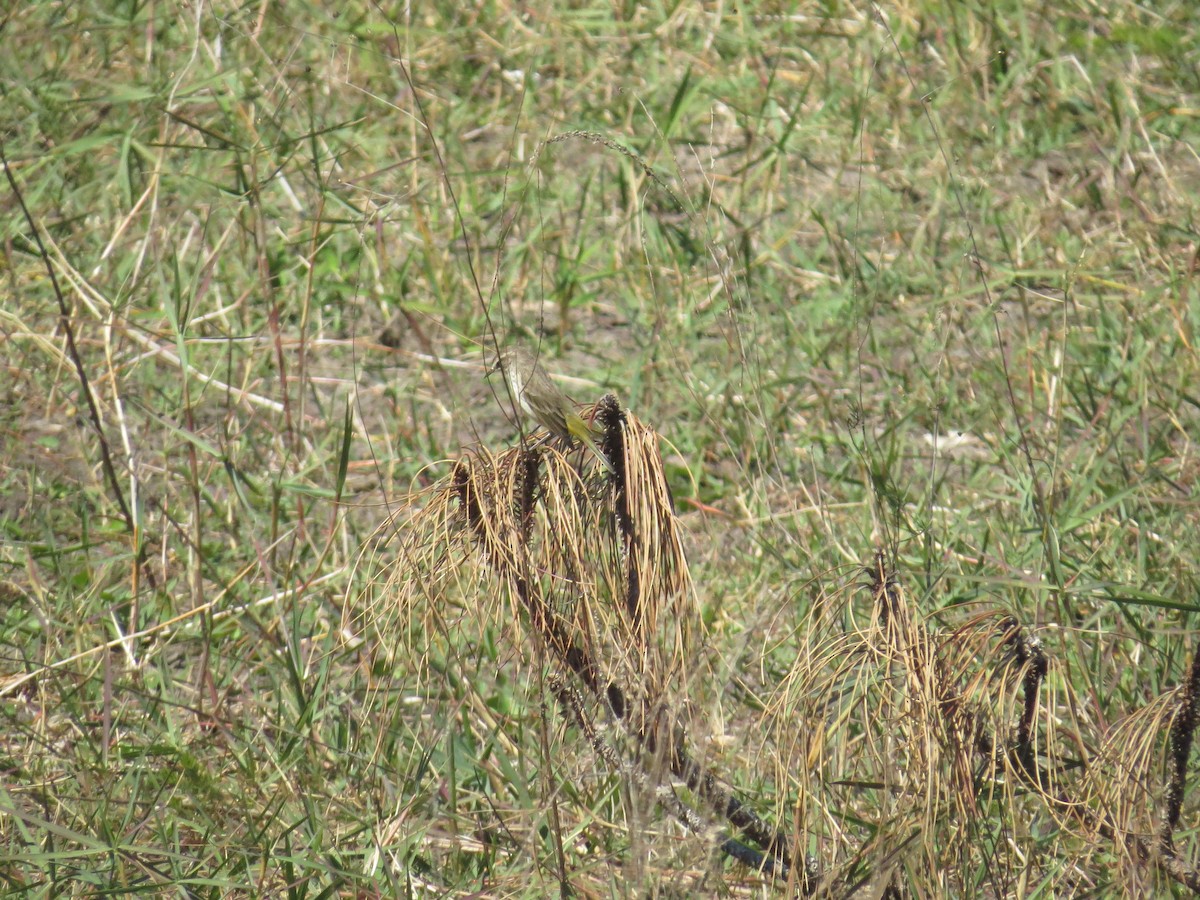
{"x":542,"y":401}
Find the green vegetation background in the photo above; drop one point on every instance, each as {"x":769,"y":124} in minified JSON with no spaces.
{"x":919,"y":278}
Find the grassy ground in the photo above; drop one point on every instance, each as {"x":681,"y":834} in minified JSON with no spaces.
{"x":918,"y":280}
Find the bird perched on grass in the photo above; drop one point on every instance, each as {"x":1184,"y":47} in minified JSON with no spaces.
{"x":542,"y":401}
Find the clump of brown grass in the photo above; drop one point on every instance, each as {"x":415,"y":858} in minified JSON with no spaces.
{"x":591,"y":563}
{"x":940,"y":738}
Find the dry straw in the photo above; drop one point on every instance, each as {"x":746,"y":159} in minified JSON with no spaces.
{"x":591,"y":564}
{"x":932,"y":734}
